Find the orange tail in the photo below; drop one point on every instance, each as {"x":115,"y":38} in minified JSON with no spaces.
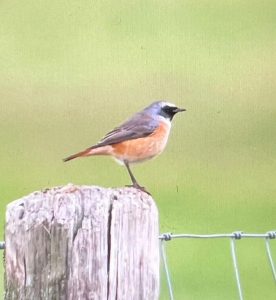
{"x":79,"y":154}
{"x":94,"y":150}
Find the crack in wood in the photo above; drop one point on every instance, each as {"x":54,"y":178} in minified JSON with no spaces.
{"x":82,"y":242}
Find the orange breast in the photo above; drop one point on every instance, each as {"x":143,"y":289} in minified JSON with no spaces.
{"x":143,"y":148}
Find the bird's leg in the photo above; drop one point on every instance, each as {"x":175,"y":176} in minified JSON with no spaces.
{"x":135,"y":184}
{"x":134,"y":181}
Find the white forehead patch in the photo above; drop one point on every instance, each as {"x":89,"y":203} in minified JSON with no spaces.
{"x":168,"y":104}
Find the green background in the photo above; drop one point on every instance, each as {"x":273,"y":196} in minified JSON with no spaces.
{"x":72,"y":70}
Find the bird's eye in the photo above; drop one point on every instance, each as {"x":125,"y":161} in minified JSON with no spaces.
{"x":168,"y":109}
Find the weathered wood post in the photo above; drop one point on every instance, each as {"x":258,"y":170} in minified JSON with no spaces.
{"x":82,"y":242}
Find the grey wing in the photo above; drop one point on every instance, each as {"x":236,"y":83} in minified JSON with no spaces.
{"x":140,"y":125}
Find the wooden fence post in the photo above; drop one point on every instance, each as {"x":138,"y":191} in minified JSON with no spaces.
{"x":82,"y":242}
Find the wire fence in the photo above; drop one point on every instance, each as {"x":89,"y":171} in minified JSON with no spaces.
{"x":2,"y":245}
{"x":234,"y":236}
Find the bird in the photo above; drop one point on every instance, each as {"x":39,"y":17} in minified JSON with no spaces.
{"x":140,"y":138}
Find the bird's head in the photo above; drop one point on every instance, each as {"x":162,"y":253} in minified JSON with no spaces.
{"x":164,"y":109}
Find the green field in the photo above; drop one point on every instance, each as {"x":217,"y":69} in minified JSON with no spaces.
{"x":72,"y":70}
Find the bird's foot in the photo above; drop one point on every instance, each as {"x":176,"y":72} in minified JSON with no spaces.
{"x":138,"y":187}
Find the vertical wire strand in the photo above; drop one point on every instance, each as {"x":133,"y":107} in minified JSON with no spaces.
{"x":2,"y":245}
{"x":163,"y":252}
{"x":270,"y":258}
{"x":235,"y":263}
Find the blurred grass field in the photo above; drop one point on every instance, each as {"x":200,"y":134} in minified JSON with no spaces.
{"x":72,"y":70}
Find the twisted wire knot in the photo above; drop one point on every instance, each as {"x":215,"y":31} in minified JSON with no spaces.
{"x":237,"y":235}
{"x":271,"y":234}
{"x":167,"y":236}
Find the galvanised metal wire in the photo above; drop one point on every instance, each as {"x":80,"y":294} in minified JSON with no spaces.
{"x":234,"y":236}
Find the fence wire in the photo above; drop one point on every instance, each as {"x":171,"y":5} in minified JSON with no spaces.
{"x":2,"y":245}
{"x":234,"y":236}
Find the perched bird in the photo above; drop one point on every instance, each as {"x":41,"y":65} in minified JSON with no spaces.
{"x":140,"y":138}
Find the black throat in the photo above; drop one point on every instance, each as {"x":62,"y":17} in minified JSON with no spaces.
{"x":168,"y":112}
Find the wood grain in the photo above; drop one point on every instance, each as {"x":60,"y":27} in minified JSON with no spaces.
{"x":82,"y":242}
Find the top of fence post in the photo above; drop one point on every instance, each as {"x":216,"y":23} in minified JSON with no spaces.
{"x":82,"y":242}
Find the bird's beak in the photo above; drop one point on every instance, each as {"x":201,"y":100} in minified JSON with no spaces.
{"x":179,"y":110}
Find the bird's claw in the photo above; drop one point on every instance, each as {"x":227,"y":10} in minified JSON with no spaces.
{"x":138,"y":187}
